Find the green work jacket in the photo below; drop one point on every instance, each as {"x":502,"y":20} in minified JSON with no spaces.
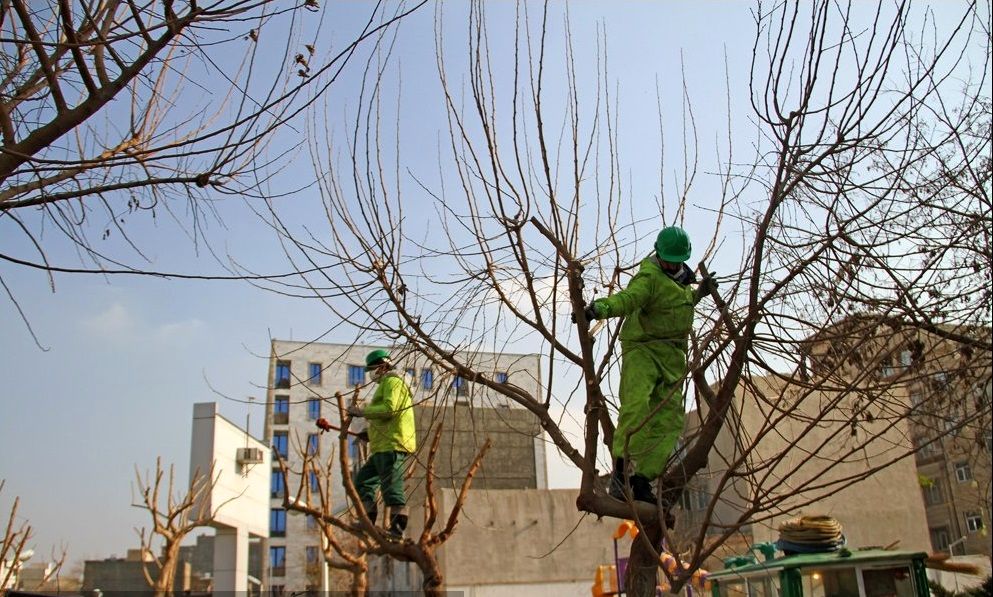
{"x":658,"y":312}
{"x":391,"y":417}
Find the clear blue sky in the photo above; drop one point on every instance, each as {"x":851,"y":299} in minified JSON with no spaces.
{"x":127,"y":357}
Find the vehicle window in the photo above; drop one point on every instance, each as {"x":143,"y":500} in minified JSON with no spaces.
{"x":896,"y":581}
{"x":838,"y":582}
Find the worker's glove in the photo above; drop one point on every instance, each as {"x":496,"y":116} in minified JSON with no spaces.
{"x":356,"y":410}
{"x":589,"y":312}
{"x":323,"y":424}
{"x":708,"y":285}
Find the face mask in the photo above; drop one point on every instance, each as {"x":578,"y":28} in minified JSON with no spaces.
{"x":376,"y":375}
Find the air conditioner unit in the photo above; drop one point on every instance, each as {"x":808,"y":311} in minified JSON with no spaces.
{"x":249,"y":455}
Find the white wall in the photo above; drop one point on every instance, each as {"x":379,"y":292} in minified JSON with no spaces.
{"x":240,"y":495}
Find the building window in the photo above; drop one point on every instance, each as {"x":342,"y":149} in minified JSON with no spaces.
{"x":315,"y":484}
{"x":427,"y":379}
{"x":906,"y":359}
{"x":277,"y":590}
{"x":411,"y":375}
{"x":461,"y":386}
{"x":278,"y":487}
{"x":940,"y":538}
{"x":927,"y":447}
{"x":954,"y":418}
{"x":277,"y":560}
{"x":973,"y":521}
{"x":887,"y":369}
{"x":314,"y":373}
{"x":933,"y":495}
{"x":500,"y":377}
{"x":356,"y":375}
{"x":312,"y":554}
{"x":282,"y":374}
{"x":962,"y":472}
{"x":277,"y":522}
{"x":313,"y":444}
{"x":281,"y":410}
{"x":354,"y":454}
{"x":314,"y":409}
{"x":311,"y":523}
{"x":280,"y":443}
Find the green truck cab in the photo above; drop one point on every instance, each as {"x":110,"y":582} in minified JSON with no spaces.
{"x":843,"y":573}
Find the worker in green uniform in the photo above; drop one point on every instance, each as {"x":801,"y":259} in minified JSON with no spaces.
{"x":657,"y":306}
{"x":392,"y":439}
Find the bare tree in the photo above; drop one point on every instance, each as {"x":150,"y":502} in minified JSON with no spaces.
{"x":15,"y":537}
{"x":866,"y":214}
{"x":356,"y":527}
{"x":14,"y":550}
{"x":112,"y":110}
{"x":171,"y":521}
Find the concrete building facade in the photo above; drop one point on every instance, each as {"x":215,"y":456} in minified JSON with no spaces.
{"x":303,"y":379}
{"x":126,"y":576}
{"x":951,"y":430}
{"x":238,"y":466}
{"x":948,"y":381}
{"x":884,"y":508}
{"x":937,"y":397}
{"x":513,"y":542}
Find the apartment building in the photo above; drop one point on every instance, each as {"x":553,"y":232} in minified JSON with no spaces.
{"x":946,"y":372}
{"x":303,"y":380}
{"x":803,"y":463}
{"x":951,"y":429}
{"x":945,"y":417}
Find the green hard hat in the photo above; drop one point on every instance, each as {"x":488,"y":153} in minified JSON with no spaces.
{"x":376,"y":358}
{"x":673,"y":245}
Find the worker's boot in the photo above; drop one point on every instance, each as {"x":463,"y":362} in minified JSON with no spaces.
{"x":615,"y":488}
{"x":398,"y":524}
{"x":641,"y":489}
{"x":371,"y":511}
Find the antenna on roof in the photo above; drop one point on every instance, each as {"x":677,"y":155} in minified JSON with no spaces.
{"x":248,"y":419}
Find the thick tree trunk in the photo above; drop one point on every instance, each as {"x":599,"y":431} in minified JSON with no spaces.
{"x":434,"y":580}
{"x":167,"y":573}
{"x":641,"y":578}
{"x":360,"y":582}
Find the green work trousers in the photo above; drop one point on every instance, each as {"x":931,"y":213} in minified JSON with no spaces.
{"x":383,"y":471}
{"x":651,"y":417}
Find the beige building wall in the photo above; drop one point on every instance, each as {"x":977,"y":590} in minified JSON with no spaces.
{"x":812,"y":461}
{"x":515,"y":542}
{"x":955,"y":468}
{"x":950,"y":389}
